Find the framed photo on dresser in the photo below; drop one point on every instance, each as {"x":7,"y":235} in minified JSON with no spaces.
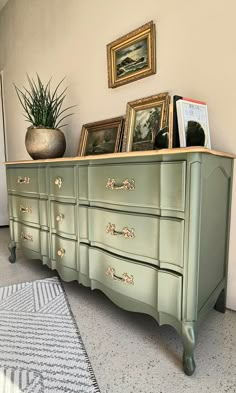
{"x":101,"y":137}
{"x":145,"y":118}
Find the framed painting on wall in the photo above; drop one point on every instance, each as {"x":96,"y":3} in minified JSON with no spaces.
{"x":101,"y":137}
{"x":145,"y":118}
{"x":133,"y":56}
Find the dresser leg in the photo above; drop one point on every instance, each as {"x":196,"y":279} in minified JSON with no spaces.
{"x":12,"y":249}
{"x":221,"y":302}
{"x":189,"y":342}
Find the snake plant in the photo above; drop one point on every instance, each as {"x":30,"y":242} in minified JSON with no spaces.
{"x":42,"y":105}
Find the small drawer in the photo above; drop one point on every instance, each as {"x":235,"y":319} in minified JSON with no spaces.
{"x":159,"y":185}
{"x":23,"y":180}
{"x":64,"y":252}
{"x":62,"y":182}
{"x":63,"y":218}
{"x":25,"y":209}
{"x":27,"y":236}
{"x":134,"y":280}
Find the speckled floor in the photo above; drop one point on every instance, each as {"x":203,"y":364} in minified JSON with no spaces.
{"x":128,"y":351}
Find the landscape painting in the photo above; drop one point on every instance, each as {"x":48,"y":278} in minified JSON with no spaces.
{"x":132,"y":56}
{"x":144,"y":119}
{"x":147,"y":123}
{"x":101,"y":137}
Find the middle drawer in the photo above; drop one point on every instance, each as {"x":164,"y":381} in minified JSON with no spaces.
{"x":63,"y":218}
{"x":138,"y":236}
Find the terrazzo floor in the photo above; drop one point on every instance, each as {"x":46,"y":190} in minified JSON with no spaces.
{"x":129,"y":352}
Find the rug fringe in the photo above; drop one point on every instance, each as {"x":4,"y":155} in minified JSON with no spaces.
{"x":93,"y":377}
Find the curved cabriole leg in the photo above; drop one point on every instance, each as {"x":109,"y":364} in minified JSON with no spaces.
{"x":12,"y":249}
{"x":221,"y":302}
{"x":189,"y":342}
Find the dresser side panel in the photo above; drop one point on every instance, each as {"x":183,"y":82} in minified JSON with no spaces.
{"x":215,"y":215}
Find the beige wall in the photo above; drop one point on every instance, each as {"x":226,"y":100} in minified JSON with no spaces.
{"x":195,"y":57}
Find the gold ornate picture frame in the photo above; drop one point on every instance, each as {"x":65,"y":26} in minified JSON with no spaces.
{"x":101,"y":137}
{"x":133,"y":56}
{"x":145,"y":118}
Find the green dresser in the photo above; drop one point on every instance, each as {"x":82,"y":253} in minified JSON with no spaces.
{"x":149,"y":229}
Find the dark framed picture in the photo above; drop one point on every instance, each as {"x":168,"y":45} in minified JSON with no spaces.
{"x":147,"y":119}
{"x":132,"y":56}
{"x":101,"y":137}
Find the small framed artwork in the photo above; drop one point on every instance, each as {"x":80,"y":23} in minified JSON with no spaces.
{"x":132,"y":56}
{"x":193,"y":123}
{"x":147,"y":121}
{"x":101,"y":137}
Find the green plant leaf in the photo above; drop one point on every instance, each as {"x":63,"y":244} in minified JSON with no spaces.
{"x":42,"y":105}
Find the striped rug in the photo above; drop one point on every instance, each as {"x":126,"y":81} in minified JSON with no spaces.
{"x":41,"y":350}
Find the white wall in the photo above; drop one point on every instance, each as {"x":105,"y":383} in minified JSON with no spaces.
{"x":195,"y":57}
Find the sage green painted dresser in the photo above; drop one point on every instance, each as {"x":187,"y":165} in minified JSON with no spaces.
{"x":149,"y":229}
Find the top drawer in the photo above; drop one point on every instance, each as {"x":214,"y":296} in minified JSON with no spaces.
{"x":159,"y":185}
{"x":62,"y":182}
{"x":25,"y":180}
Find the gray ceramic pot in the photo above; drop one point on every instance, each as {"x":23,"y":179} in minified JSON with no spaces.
{"x":45,"y":143}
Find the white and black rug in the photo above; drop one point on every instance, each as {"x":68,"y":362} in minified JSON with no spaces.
{"x":41,"y":350}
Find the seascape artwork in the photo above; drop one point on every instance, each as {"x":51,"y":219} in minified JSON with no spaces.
{"x":132,"y":58}
{"x":101,"y":141}
{"x":147,"y":124}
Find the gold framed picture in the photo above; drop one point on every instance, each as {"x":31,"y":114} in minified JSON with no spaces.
{"x":146,"y":121}
{"x":101,"y":137}
{"x":132,"y":56}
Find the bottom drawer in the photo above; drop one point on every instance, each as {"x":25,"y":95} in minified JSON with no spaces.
{"x":27,"y":236}
{"x":135,"y":280}
{"x":64,"y":252}
{"x":161,"y":289}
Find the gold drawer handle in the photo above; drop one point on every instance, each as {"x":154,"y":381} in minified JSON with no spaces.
{"x":61,"y":252}
{"x":25,"y":209}
{"x":60,"y":218}
{"x":26,"y":237}
{"x":127,"y":185}
{"x":58,"y":181}
{"x":110,"y":271}
{"x":23,"y":180}
{"x":126,"y":232}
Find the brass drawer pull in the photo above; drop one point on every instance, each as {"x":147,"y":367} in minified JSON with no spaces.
{"x":61,"y":252}
{"x":26,"y":237}
{"x":126,"y":232}
{"x":58,"y":181}
{"x":60,"y":218}
{"x":23,"y":180}
{"x":110,"y":271}
{"x":25,"y":209}
{"x":127,"y":185}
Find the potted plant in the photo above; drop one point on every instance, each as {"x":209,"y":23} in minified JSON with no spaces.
{"x":43,"y":110}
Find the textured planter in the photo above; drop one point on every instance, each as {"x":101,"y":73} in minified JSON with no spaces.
{"x":45,"y":143}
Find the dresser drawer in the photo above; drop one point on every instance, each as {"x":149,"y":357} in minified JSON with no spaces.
{"x":134,"y":280}
{"x":27,"y":236}
{"x":62,"y":182}
{"x":64,"y":252}
{"x":23,"y":180}
{"x":146,"y":238}
{"x":25,"y":209}
{"x":63,"y":218}
{"x":130,"y":235}
{"x":150,"y":185}
{"x":160,"y":289}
